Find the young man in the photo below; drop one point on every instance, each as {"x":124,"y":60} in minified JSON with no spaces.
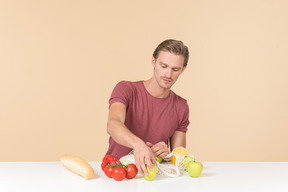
{"x":146,"y":116}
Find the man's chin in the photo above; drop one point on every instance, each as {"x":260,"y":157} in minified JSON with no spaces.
{"x":166,"y":85}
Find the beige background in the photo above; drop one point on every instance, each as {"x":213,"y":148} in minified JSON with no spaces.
{"x":59,"y":61}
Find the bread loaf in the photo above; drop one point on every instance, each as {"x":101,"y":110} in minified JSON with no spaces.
{"x":78,"y":166}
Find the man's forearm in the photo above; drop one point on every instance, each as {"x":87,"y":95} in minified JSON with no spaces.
{"x":122,"y":135}
{"x":178,"y":140}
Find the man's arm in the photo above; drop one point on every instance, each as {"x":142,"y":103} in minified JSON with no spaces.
{"x":116,"y":128}
{"x":122,"y":135}
{"x":178,"y":140}
{"x":161,"y":149}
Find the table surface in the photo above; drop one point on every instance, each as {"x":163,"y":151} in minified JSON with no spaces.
{"x":216,"y":176}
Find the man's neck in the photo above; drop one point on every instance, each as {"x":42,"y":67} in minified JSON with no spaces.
{"x":155,"y":90}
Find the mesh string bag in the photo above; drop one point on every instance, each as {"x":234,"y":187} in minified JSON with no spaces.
{"x":180,"y":155}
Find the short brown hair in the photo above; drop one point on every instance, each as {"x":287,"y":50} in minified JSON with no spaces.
{"x":173,"y":46}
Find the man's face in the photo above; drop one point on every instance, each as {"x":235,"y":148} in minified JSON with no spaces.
{"x":167,"y":68}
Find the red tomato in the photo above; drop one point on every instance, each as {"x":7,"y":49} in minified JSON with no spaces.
{"x":103,"y":165}
{"x":115,"y":162}
{"x":119,"y":173}
{"x":109,"y":159}
{"x":108,"y":171}
{"x":131,"y":171}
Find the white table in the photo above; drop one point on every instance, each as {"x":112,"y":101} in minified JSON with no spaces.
{"x":216,"y":176}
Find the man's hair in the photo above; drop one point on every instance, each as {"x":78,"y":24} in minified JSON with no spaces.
{"x":173,"y":46}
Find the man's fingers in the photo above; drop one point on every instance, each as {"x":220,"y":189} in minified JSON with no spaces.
{"x":154,"y":162}
{"x":149,"y":164}
{"x":160,"y":149}
{"x":143,"y":167}
{"x":145,"y":156}
{"x":138,"y":165}
{"x":149,"y":144}
{"x":161,"y":153}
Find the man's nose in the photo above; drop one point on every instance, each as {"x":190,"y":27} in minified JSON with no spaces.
{"x":168,"y":73}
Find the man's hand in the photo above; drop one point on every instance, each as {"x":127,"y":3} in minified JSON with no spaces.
{"x":159,"y":149}
{"x":143,"y":155}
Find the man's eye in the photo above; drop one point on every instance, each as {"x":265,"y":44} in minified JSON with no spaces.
{"x":175,"y":70}
{"x":163,"y":66}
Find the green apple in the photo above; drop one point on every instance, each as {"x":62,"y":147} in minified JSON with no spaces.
{"x":184,"y":162}
{"x":159,"y":159}
{"x":151,"y":173}
{"x":194,"y":168}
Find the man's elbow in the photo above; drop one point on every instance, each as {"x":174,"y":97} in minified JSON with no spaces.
{"x":108,"y":128}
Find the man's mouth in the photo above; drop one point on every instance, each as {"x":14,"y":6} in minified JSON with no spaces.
{"x":167,"y":80}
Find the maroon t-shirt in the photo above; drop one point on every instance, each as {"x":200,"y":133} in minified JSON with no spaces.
{"x":151,"y":119}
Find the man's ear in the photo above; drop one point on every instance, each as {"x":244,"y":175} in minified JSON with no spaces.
{"x":153,"y":61}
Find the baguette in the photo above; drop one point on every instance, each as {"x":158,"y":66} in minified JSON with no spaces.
{"x":78,"y":166}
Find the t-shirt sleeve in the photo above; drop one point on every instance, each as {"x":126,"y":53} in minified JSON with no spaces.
{"x":121,"y":93}
{"x":184,"y":118}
